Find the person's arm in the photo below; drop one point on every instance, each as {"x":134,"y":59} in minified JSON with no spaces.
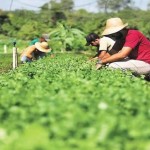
{"x":103,"y":55}
{"x":118,"y":56}
{"x":30,"y":50}
{"x":95,"y":57}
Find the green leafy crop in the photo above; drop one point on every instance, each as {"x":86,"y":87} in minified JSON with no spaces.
{"x":63,"y":103}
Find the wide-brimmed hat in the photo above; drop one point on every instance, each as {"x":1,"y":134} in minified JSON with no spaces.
{"x":113,"y":25}
{"x":42,"y":46}
{"x":91,"y":37}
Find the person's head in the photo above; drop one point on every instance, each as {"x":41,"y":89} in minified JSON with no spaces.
{"x":42,"y":39}
{"x":92,"y":39}
{"x":46,"y":37}
{"x":114,"y":25}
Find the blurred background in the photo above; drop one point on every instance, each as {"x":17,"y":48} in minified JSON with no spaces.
{"x":66,"y":22}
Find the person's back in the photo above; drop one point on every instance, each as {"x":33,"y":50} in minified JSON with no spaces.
{"x":140,"y":45}
{"x":41,"y":39}
{"x":34,"y":41}
{"x":27,"y":54}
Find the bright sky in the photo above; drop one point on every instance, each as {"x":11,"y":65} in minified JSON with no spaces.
{"x":90,"y":5}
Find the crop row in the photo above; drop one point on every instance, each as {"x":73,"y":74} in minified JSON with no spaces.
{"x":64,"y":103}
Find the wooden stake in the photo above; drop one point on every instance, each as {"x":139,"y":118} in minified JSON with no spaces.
{"x":15,"y":57}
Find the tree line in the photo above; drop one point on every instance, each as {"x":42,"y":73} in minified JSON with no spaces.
{"x":27,"y":24}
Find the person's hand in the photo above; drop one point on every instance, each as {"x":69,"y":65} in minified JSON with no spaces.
{"x":98,"y":66}
{"x":49,"y":50}
{"x":92,"y":59}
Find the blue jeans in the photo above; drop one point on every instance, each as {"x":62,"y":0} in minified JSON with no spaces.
{"x":25,"y":59}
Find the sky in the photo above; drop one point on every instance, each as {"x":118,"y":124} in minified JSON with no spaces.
{"x":89,"y":5}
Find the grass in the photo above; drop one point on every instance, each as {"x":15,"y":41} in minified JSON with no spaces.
{"x":6,"y":62}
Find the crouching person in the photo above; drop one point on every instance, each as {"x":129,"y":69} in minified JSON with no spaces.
{"x":34,"y":52}
{"x":135,"y":53}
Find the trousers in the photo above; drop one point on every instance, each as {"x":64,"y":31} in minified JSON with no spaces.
{"x":136,"y":66}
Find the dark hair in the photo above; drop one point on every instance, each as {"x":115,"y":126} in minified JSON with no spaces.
{"x":115,"y":36}
{"x":91,"y":37}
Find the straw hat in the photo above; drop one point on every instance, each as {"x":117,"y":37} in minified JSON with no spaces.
{"x":43,"y":47}
{"x":113,"y":25}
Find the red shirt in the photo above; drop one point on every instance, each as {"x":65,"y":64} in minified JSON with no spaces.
{"x":140,"y":45}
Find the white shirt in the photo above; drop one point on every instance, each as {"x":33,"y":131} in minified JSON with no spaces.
{"x":106,"y":43}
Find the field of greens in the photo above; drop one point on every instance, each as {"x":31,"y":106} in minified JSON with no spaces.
{"x":5,"y":62}
{"x":63,"y":103}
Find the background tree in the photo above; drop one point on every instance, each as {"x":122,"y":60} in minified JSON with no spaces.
{"x":57,"y":9}
{"x":66,"y":38}
{"x":67,"y":5}
{"x":3,"y":20}
{"x":16,"y":20}
{"x":25,"y":25}
{"x":113,"y":5}
{"x":148,"y":6}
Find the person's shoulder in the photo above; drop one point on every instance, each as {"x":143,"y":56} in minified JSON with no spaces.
{"x":31,"y":47}
{"x":132,"y":31}
{"x":34,"y":41}
{"x":106,"y":39}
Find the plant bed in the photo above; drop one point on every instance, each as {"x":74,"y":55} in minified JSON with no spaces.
{"x":63,"y":103}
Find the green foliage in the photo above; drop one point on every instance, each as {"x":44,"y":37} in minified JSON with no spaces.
{"x":67,"y":37}
{"x":67,"y":4}
{"x":63,"y":5}
{"x":56,"y":10}
{"x":26,"y":25}
{"x":16,"y":21}
{"x":113,"y":5}
{"x":63,"y":103}
{"x":5,"y":62}
{"x":31,"y":30}
{"x":141,"y":23}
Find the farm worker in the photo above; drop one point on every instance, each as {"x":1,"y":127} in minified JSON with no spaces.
{"x":106,"y":46}
{"x":33,"y":51}
{"x":135,"y":53}
{"x":43,"y":38}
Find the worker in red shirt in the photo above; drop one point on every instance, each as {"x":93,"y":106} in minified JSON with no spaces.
{"x":135,"y":53}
